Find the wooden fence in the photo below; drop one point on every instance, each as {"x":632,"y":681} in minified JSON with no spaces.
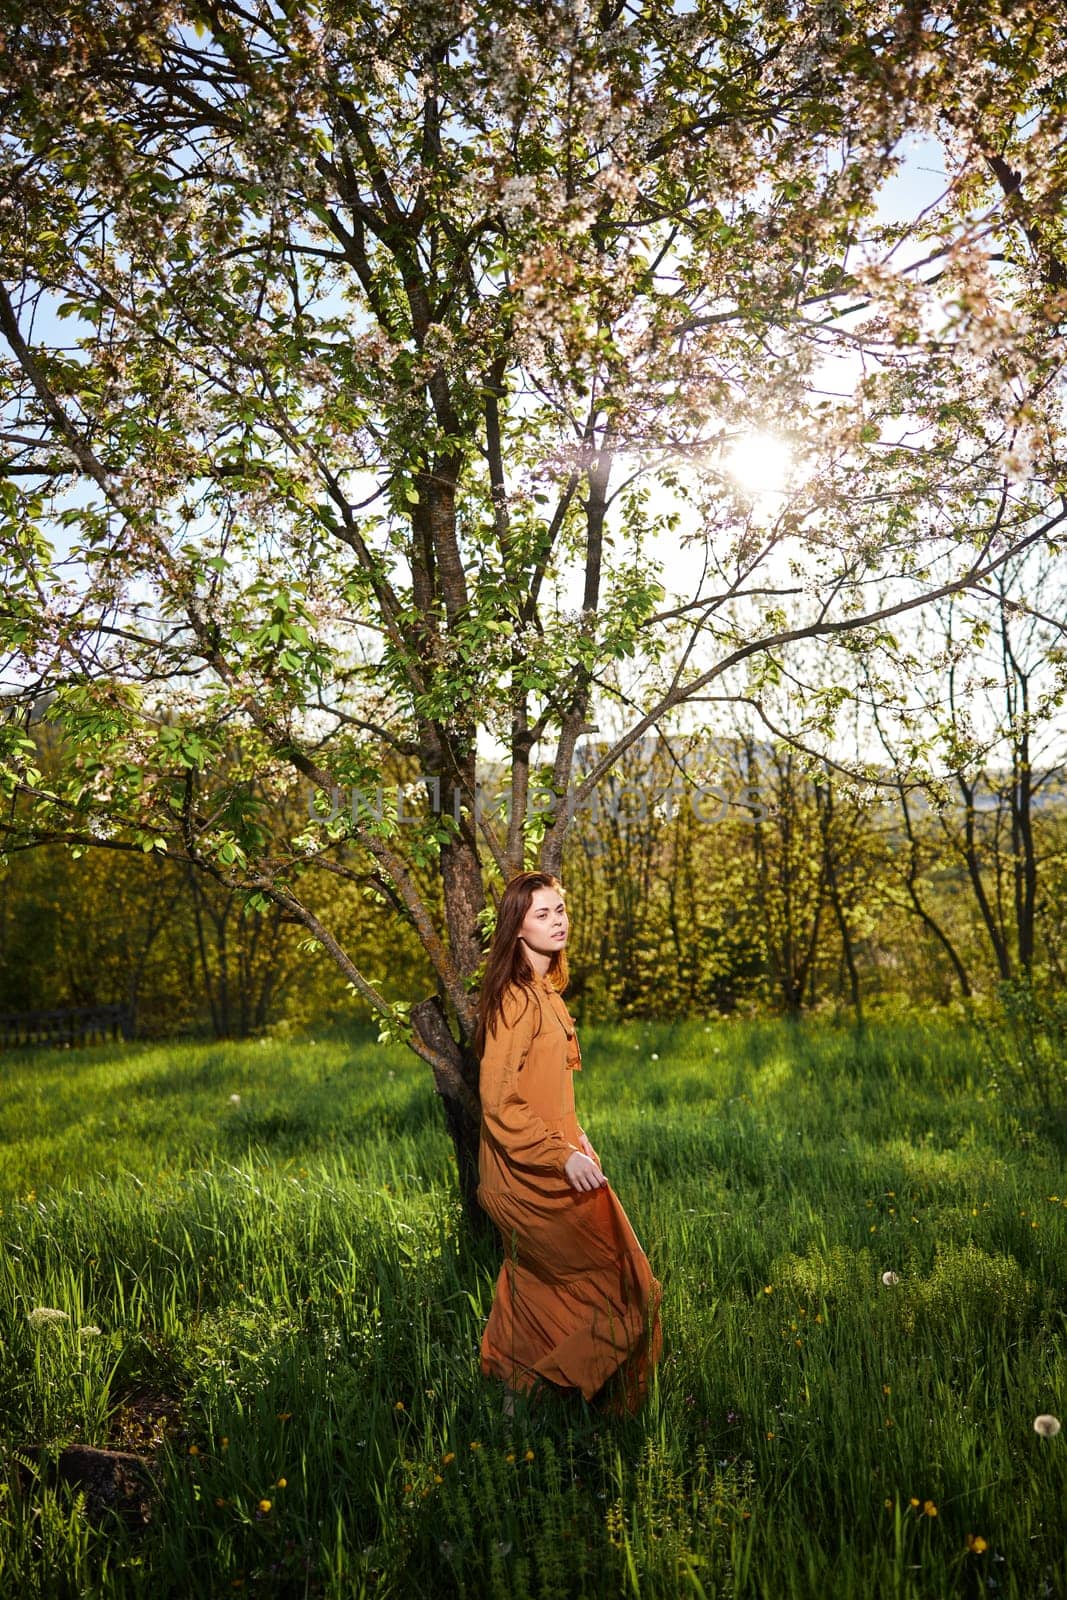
{"x":73,"y":1025}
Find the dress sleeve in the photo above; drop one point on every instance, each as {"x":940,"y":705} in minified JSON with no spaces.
{"x":506,"y":1114}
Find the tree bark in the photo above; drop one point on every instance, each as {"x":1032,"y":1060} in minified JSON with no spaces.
{"x":461,"y":1117}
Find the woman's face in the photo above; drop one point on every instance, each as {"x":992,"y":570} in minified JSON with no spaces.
{"x":544,"y":927}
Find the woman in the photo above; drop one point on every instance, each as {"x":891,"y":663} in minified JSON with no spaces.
{"x":576,"y":1304}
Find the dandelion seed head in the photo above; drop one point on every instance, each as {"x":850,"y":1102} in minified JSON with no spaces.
{"x":1048,"y":1427}
{"x":235,"y":1099}
{"x":890,"y":1279}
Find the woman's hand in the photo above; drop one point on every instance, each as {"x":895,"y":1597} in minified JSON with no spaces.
{"x":587,"y":1149}
{"x":583,"y":1174}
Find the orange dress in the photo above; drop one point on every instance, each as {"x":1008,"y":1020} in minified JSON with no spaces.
{"x":576,"y":1302}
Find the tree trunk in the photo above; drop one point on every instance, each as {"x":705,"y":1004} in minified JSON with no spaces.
{"x":824,"y":802}
{"x":974,"y":872}
{"x":911,"y":884}
{"x":461,"y":1119}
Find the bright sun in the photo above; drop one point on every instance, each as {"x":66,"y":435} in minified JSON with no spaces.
{"x":759,"y":463}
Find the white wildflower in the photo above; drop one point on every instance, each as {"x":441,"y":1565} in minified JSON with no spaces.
{"x":42,"y":1316}
{"x":235,"y":1099}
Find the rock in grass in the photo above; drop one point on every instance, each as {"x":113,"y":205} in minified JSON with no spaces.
{"x":112,"y":1480}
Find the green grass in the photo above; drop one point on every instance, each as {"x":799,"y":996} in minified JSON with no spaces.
{"x":284,"y":1290}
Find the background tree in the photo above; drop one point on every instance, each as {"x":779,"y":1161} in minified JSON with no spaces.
{"x":663,"y":905}
{"x":1004,"y":753}
{"x":380,"y":326}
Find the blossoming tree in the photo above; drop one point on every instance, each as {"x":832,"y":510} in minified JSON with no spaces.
{"x":371,"y":375}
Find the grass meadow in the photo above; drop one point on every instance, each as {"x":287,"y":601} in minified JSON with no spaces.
{"x":275,"y":1297}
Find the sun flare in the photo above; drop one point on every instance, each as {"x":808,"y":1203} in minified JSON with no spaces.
{"x":760,"y":464}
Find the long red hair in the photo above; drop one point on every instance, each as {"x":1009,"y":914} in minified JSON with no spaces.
{"x":506,"y":963}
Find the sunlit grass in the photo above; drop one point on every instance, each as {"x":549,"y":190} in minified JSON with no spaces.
{"x":285,"y":1280}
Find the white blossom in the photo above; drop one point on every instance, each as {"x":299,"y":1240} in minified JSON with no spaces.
{"x":47,"y":1316}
